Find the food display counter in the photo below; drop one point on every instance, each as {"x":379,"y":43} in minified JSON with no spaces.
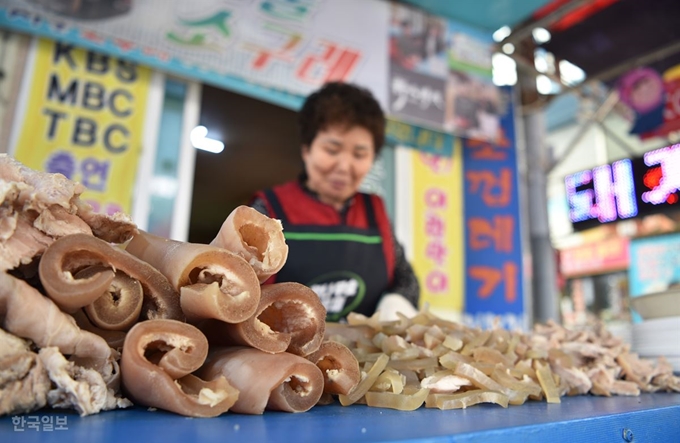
{"x":648,"y":418}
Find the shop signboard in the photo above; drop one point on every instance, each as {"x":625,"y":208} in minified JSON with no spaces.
{"x":654,"y":264}
{"x":440,"y":75}
{"x":398,"y":133}
{"x":474,"y":104}
{"x":416,"y":97}
{"x":417,"y":66}
{"x":82,"y":115}
{"x":625,"y":189}
{"x":493,"y":250}
{"x":276,"y":50}
{"x":608,"y":255}
{"x":423,"y":68}
{"x":653,"y":98}
{"x":437,"y":230}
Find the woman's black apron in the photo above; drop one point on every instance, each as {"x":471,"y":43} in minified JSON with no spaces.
{"x":344,"y":265}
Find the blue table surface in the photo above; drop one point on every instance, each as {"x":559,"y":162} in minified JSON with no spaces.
{"x":647,"y":418}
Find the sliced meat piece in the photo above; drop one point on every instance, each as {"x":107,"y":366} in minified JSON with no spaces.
{"x":28,"y":314}
{"x":577,"y":381}
{"x":25,"y":243}
{"x":56,"y":222}
{"x":44,"y":189}
{"x":116,"y":228}
{"x":23,"y":380}
{"x":76,"y":387}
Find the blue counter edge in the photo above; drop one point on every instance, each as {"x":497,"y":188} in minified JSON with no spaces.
{"x":647,"y":418}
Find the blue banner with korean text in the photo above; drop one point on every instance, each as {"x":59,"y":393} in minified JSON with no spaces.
{"x":493,"y":248}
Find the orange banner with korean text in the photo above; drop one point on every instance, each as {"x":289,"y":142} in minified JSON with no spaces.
{"x":84,"y":118}
{"x":437,"y":225}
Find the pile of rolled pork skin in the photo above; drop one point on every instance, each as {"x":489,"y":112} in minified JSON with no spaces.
{"x":96,"y":314}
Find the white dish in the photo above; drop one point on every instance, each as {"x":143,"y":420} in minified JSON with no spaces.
{"x":658,"y":305}
{"x":656,"y":337}
{"x":657,"y":349}
{"x":660,"y":324}
{"x":662,"y":335}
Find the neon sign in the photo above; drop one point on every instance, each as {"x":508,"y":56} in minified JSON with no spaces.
{"x":625,"y":189}
{"x":668,"y":185}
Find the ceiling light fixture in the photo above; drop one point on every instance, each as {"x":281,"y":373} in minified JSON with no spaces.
{"x":508,"y":48}
{"x":200,"y":140}
{"x":501,"y":33}
{"x":541,"y":35}
{"x":504,"y":70}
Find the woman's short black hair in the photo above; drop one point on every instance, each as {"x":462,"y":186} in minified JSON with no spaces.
{"x":343,"y":104}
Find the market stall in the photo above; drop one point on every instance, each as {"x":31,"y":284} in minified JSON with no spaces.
{"x":432,"y":75}
{"x":457,"y":206}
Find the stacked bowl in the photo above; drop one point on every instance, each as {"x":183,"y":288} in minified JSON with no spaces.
{"x":658,"y":334}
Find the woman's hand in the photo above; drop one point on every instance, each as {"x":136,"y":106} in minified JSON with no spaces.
{"x":392,"y":303}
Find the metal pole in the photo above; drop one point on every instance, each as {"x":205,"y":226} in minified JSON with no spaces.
{"x":602,"y":111}
{"x":544,"y":294}
{"x":523,"y":187}
{"x":620,"y":141}
{"x":544,"y":279}
{"x":524,"y":30}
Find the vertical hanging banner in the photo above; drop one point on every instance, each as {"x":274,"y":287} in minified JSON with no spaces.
{"x":493,"y":255}
{"x":437,"y":230}
{"x":84,"y":118}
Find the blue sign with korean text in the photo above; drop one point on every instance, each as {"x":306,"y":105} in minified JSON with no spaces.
{"x":398,"y":133}
{"x":654,"y":265}
{"x":493,"y":249}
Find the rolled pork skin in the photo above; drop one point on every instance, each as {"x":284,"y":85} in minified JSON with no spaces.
{"x":339,"y":366}
{"x":255,"y":237}
{"x":289,"y":317}
{"x":281,"y":382}
{"x":118,"y":309}
{"x":213,"y":282}
{"x":70,"y":254}
{"x":115,"y":339}
{"x":157,"y":365}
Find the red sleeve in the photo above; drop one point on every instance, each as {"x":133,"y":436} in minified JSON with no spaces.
{"x":259,"y":195}
{"x":385,"y":227}
{"x":270,"y":280}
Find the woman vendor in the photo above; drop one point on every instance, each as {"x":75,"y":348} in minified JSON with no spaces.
{"x":341,"y":242}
